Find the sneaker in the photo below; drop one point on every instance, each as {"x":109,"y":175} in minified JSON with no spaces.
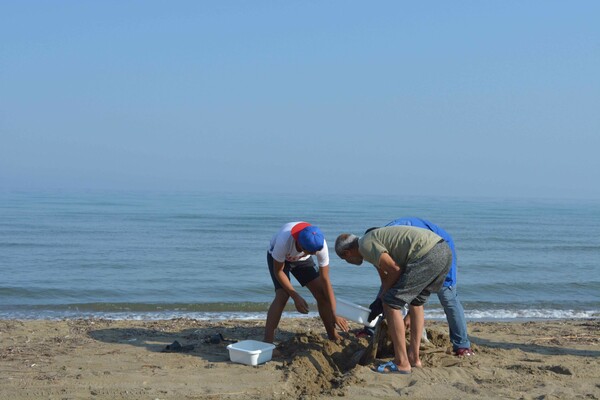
{"x":464,"y":353}
{"x":364,"y":333}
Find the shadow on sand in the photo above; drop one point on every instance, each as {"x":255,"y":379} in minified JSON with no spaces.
{"x":204,"y":342}
{"x":534,"y":348}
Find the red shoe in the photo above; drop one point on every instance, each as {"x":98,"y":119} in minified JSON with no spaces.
{"x":464,"y":353}
{"x":364,"y":333}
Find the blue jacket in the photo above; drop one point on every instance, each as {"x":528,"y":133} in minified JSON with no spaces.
{"x":421,"y":223}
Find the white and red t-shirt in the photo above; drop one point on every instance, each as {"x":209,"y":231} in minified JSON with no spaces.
{"x":283,"y":245}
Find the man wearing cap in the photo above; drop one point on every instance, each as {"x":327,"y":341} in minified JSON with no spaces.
{"x":290,"y":250}
{"x":412,"y":263}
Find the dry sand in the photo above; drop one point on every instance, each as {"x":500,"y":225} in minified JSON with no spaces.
{"x":100,"y":359}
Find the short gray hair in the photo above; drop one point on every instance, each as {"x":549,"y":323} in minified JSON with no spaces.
{"x":344,"y":242}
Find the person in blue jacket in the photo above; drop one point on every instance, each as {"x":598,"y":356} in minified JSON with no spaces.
{"x":455,"y":314}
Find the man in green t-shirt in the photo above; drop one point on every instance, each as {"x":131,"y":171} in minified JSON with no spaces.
{"x":412,"y":263}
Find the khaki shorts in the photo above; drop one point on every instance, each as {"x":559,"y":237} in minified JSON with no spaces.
{"x":420,"y":278}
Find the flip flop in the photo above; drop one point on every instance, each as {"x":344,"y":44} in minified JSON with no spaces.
{"x":392,"y":368}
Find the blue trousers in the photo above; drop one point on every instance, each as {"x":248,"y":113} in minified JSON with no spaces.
{"x":455,"y":314}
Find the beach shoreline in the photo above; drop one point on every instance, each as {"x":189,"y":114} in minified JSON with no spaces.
{"x":126,"y":359}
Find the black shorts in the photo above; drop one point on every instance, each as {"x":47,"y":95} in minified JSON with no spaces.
{"x":304,"y":271}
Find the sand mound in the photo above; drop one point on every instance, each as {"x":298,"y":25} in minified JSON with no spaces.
{"x":316,"y":366}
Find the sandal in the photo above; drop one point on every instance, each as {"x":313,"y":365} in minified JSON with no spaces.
{"x":217,"y":338}
{"x":392,"y":368}
{"x":176,"y":347}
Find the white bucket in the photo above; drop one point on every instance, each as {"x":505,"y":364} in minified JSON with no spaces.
{"x":354,"y":312}
{"x":250,"y":352}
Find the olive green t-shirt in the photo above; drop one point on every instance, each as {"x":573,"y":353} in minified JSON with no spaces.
{"x":403,"y":243}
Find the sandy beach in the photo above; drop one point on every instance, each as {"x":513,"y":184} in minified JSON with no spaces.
{"x":103,"y":359}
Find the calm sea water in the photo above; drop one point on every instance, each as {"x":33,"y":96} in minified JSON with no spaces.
{"x":154,"y":256}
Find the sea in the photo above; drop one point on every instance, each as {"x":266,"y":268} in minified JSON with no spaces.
{"x":152,"y":255}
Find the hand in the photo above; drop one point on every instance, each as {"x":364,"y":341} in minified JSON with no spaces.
{"x":342,"y":324}
{"x":376,"y":309}
{"x":301,"y":304}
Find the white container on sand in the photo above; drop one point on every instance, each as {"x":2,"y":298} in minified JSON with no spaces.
{"x":354,"y":312}
{"x":250,"y":352}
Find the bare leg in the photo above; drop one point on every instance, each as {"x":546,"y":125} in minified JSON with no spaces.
{"x":324,"y":305}
{"x":417,"y":322}
{"x":398,"y":335}
{"x":274,"y":314}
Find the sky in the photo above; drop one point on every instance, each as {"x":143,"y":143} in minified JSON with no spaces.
{"x":435,"y":98}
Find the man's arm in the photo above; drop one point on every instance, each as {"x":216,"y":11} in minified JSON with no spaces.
{"x":324,"y":273}
{"x":299,"y":302}
{"x":389,"y":272}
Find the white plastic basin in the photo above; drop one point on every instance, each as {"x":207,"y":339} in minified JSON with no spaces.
{"x":354,"y":312}
{"x":250,"y":352}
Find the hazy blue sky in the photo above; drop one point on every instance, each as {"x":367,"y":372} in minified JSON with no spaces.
{"x":476,"y":98}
